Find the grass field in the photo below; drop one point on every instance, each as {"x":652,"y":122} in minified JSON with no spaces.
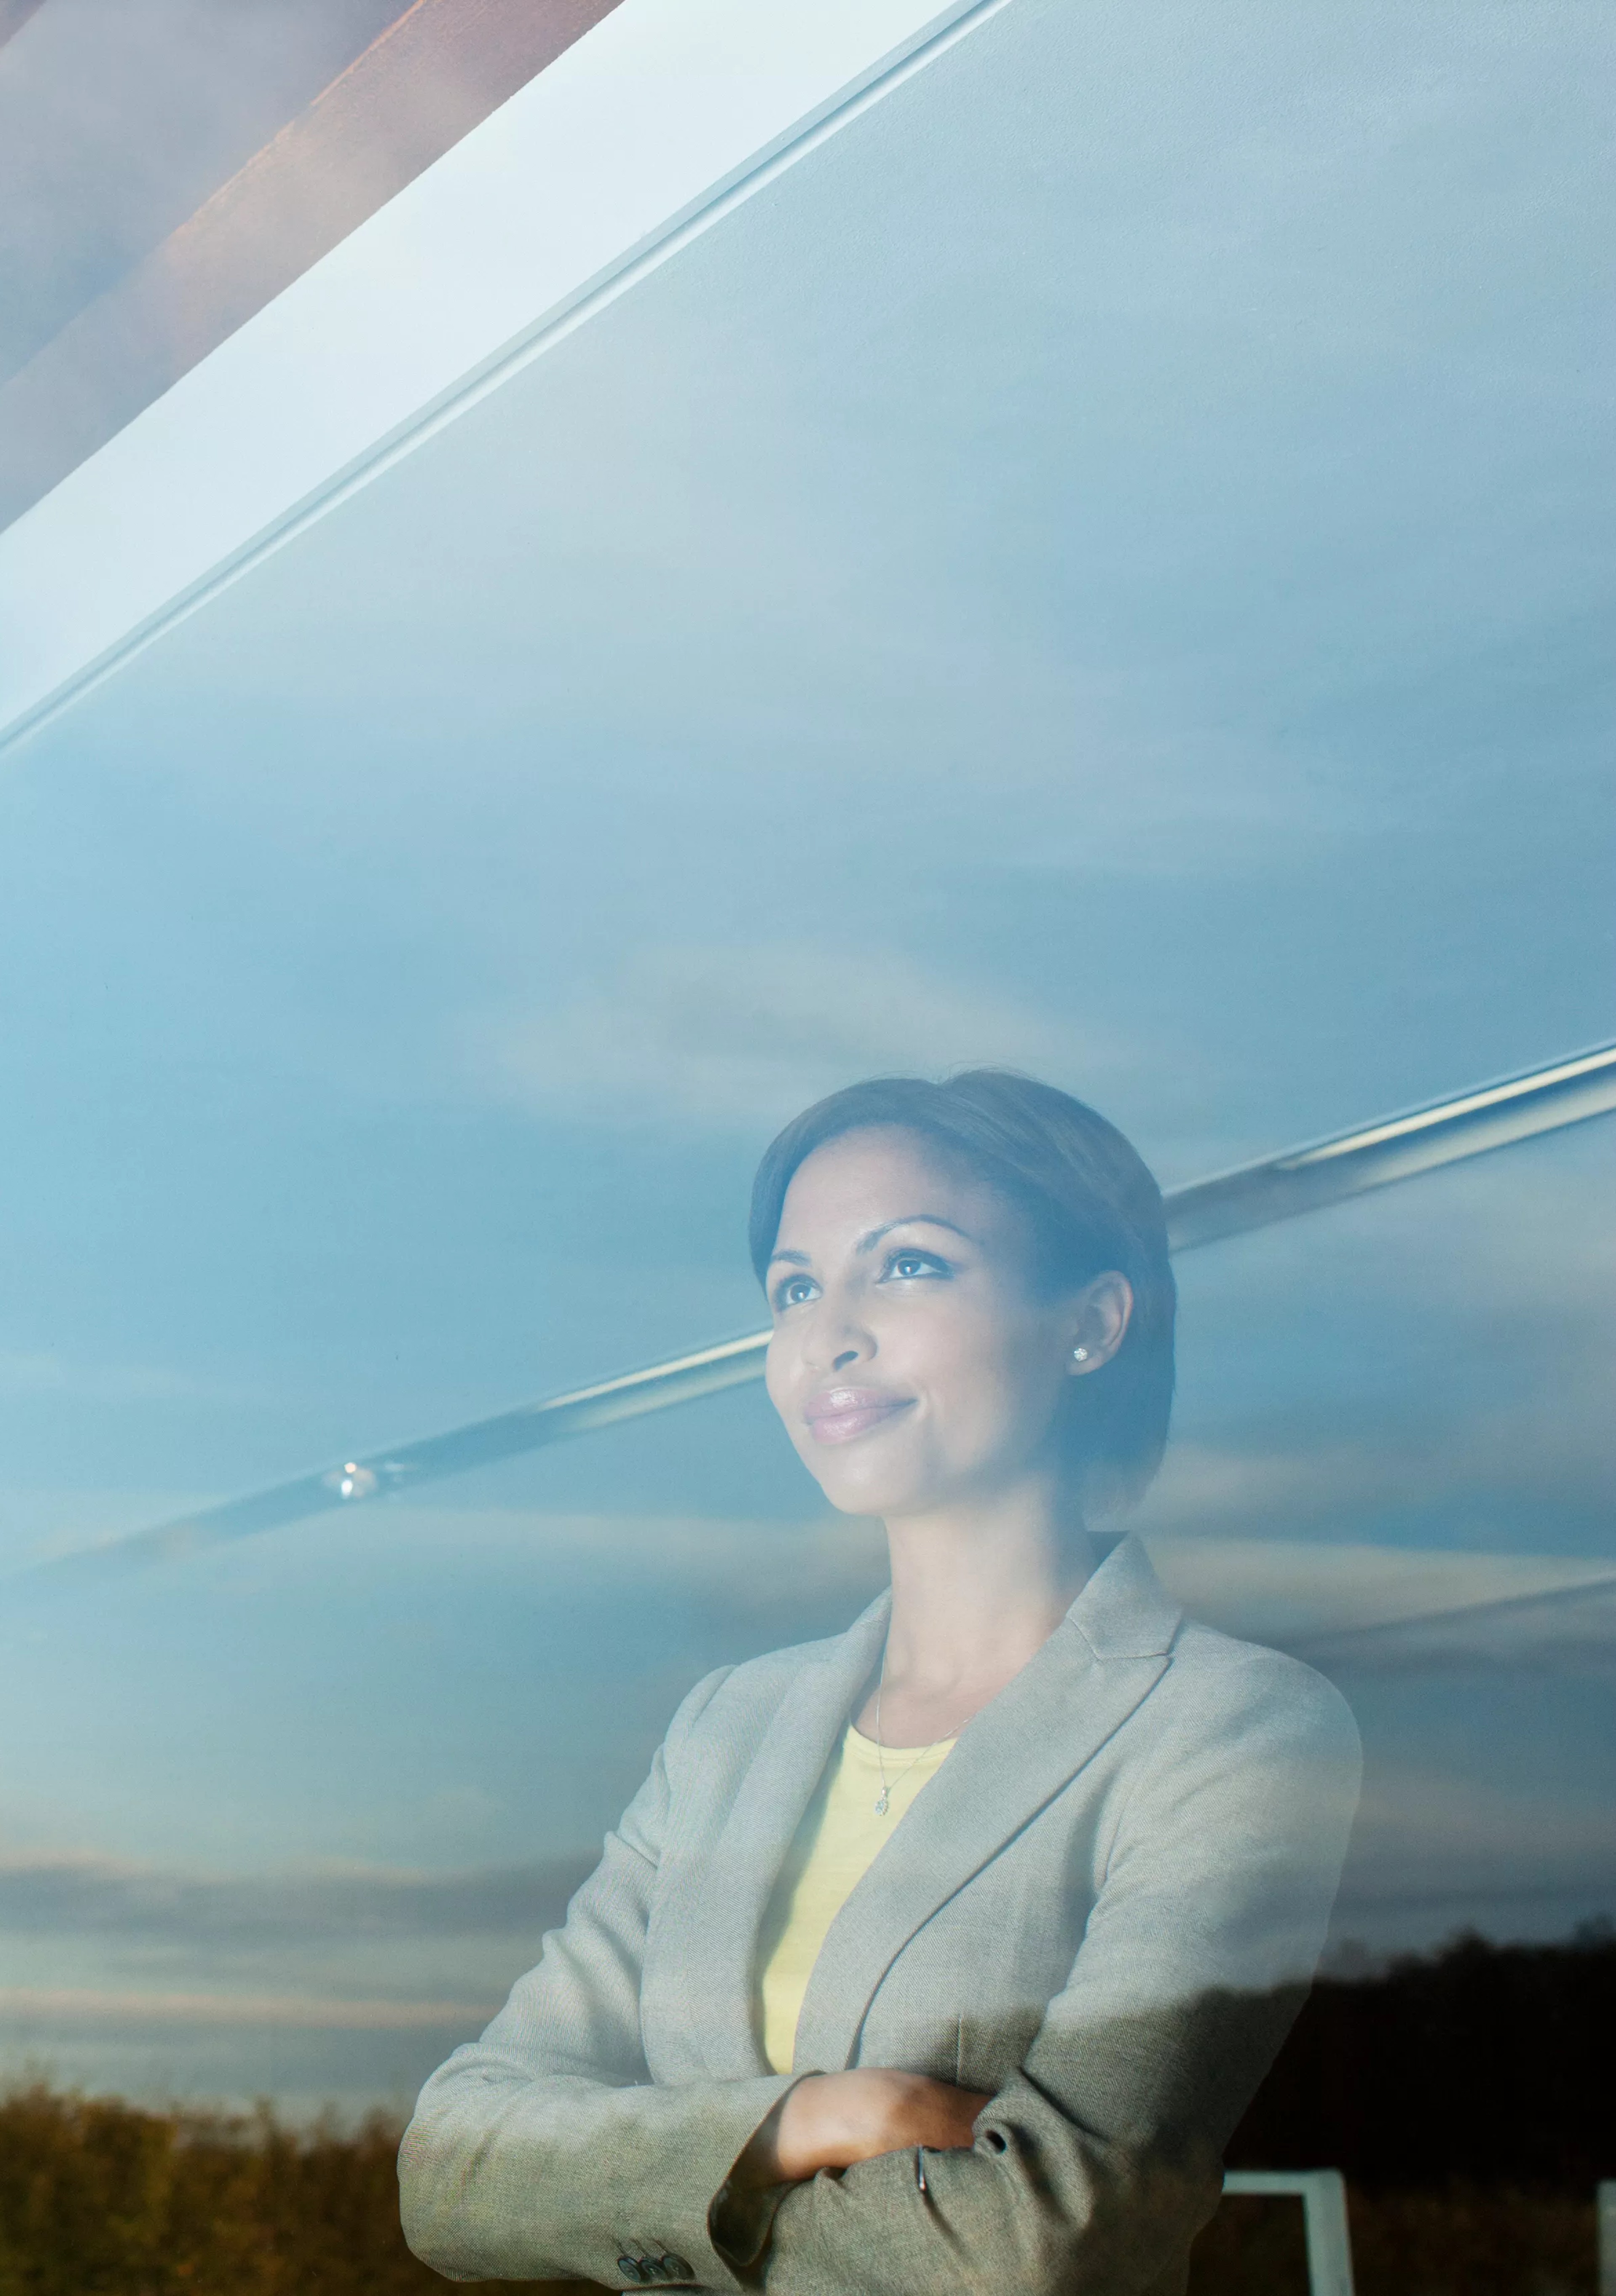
{"x":98,"y":2198}
{"x":1463,"y":2096}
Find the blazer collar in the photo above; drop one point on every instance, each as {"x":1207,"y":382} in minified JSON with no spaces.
{"x":1125,"y":1611}
{"x":1015,"y":1756}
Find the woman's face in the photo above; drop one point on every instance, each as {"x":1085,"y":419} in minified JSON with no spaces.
{"x":914,"y":1362}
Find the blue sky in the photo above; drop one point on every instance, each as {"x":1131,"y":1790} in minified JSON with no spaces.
{"x":1081,"y":572}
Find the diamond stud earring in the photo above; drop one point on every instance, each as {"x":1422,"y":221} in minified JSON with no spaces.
{"x":1079,"y":1355}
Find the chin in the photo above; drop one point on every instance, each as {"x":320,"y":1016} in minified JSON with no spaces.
{"x":848,"y":1495}
{"x":868,"y":1488}
{"x":845,"y":1487}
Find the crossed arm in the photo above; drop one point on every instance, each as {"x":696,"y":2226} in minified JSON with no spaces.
{"x":833,"y":2120}
{"x":545,"y":2150}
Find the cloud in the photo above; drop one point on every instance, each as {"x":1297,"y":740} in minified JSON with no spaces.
{"x":1533,"y":1466}
{"x":1392,"y":1606}
{"x":90,"y":1938}
{"x":41,"y":1371}
{"x":740,"y":1037}
{"x":752,"y":1568}
{"x":1367,"y":1604}
{"x":79,"y":2004}
{"x":52,"y":1893}
{"x":1428,"y":1834}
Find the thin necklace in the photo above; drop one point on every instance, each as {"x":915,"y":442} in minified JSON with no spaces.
{"x":884,"y":1798}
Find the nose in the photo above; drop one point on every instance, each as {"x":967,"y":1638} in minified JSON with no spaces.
{"x":838,"y":1341}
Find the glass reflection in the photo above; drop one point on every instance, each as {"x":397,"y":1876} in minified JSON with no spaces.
{"x":290,"y":1818}
{"x":949,"y":1951}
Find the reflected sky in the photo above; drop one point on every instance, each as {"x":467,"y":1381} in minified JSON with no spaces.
{"x":361,"y":1760}
{"x":1165,"y":662}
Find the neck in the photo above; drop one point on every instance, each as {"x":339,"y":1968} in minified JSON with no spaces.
{"x":979,"y":1589}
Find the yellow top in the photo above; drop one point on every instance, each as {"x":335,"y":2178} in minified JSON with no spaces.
{"x":841,"y":1832}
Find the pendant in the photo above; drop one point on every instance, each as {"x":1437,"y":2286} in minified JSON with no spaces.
{"x":881,"y":1803}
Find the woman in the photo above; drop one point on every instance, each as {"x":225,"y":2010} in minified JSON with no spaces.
{"x":946,"y":1953}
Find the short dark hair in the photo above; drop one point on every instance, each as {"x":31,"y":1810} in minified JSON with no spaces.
{"x":1091,"y":1203}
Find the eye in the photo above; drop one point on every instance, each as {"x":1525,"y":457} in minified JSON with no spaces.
{"x":793,"y":1292}
{"x":907,"y":1266}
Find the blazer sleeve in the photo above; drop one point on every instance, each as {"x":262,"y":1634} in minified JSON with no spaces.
{"x":544,"y":2151}
{"x":1099,"y":2159}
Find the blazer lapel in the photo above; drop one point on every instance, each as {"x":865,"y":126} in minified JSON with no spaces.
{"x":752,"y":1843}
{"x":1108,"y":1653}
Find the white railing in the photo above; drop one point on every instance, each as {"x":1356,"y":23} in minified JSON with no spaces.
{"x":1323,"y":2194}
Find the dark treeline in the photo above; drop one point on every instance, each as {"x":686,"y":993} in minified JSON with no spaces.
{"x":1488,"y":2063}
{"x":1465,"y":2096}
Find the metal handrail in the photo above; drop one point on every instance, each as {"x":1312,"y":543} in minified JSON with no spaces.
{"x":1395,"y":1148}
{"x":1303,"y":1179}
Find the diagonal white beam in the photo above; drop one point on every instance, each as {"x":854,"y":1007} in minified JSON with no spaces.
{"x":1254,"y":1195}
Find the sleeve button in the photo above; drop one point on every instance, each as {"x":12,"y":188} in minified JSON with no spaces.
{"x":629,"y":2266}
{"x":674,"y":2267}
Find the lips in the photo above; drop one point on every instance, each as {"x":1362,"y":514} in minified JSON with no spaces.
{"x":839,"y":1415}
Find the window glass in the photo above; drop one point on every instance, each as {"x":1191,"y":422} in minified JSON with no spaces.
{"x":346,"y":1772}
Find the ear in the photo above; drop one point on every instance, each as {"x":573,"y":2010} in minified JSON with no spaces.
{"x":1099,"y":1315}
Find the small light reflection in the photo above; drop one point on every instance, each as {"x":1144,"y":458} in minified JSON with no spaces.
{"x":350,"y":1481}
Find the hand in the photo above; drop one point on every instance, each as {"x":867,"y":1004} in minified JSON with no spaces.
{"x":829,"y":2120}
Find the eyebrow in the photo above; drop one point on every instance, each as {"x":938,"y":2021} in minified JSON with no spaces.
{"x":871,"y":1237}
{"x":868,"y":1243}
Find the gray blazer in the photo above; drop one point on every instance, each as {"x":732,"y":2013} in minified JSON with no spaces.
{"x":1104,"y":1910}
